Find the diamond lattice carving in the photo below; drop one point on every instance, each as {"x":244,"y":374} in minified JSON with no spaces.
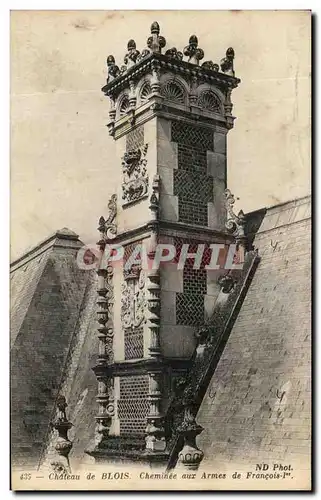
{"x":134,"y":343}
{"x":189,"y":309}
{"x":193,"y":186}
{"x":135,"y":139}
{"x":133,"y":405}
{"x":190,"y":135}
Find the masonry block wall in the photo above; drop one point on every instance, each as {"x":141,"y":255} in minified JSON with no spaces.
{"x":258,"y":404}
{"x":192,"y":167}
{"x":191,"y":162}
{"x":42,"y":343}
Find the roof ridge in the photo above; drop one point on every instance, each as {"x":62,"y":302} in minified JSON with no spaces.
{"x":60,"y":234}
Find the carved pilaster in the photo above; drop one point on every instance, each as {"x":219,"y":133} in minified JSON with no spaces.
{"x":155,"y":439}
{"x":155,"y":80}
{"x":63,"y":444}
{"x":103,"y":417}
{"x":193,"y":93}
{"x":155,"y":434}
{"x":228,"y":106}
{"x":112,"y":118}
{"x":108,"y":230}
{"x":153,"y":276}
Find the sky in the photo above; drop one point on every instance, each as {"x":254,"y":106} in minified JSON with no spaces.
{"x":62,"y":158}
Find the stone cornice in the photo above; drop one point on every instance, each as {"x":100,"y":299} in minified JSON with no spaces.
{"x":141,"y":366}
{"x":168,"y":64}
{"x":172,"y":229}
{"x":170,"y":111}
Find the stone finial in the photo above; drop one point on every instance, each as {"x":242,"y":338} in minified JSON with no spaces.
{"x":155,"y":29}
{"x":210,"y":65}
{"x":192,"y":51}
{"x":132,"y":54}
{"x":190,"y":456}
{"x":62,"y":425}
{"x":173,"y":53}
{"x":226,"y":283}
{"x":227,"y":65}
{"x":235,"y":224}
{"x":155,"y":42}
{"x":113,"y":69}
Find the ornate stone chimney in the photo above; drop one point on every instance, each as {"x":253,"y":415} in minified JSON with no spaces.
{"x":169,"y":115}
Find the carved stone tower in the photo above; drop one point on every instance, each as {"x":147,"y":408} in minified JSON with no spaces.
{"x":169,"y":117}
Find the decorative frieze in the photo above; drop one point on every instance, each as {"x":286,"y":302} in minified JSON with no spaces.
{"x":135,"y":176}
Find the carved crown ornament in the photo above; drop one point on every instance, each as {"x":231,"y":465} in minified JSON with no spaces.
{"x":187,"y":68}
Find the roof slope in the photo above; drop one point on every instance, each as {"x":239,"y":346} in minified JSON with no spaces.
{"x":258,"y":404}
{"x":48,"y":290}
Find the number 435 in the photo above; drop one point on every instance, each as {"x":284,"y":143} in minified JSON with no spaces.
{"x":25,"y":476}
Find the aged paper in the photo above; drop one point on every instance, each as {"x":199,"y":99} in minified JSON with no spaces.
{"x":174,"y":133}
